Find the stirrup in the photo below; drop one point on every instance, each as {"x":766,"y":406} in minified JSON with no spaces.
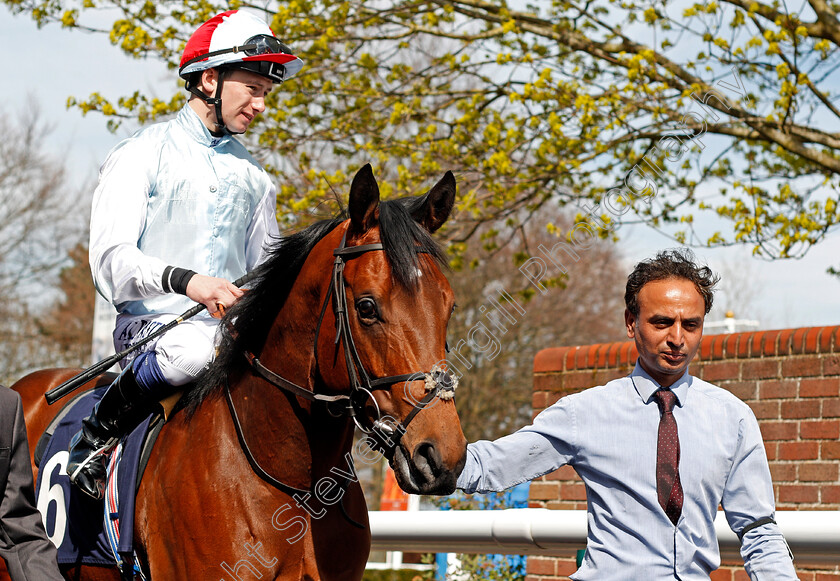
{"x":104,"y":450}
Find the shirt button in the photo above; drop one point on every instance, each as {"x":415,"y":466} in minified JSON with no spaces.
{"x":212,"y":188}
{"x":216,"y":231}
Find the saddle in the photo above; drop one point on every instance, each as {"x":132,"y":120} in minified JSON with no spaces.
{"x":84,"y":530}
{"x":168,"y":407}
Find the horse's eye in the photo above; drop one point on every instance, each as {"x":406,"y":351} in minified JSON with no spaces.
{"x":366,"y":307}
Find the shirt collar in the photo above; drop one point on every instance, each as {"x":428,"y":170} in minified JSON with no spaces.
{"x":191,"y":123}
{"x":646,"y":386}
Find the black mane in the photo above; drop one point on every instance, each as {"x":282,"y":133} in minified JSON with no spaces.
{"x":251,"y":318}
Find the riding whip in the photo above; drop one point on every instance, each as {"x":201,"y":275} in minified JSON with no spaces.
{"x":98,"y":369}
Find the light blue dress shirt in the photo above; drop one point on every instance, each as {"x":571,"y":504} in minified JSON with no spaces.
{"x":173,"y":194}
{"x":609,"y":435}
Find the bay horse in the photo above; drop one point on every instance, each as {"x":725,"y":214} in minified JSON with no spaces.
{"x":253,"y":477}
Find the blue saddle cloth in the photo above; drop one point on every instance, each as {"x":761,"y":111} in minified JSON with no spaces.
{"x":75,"y":522}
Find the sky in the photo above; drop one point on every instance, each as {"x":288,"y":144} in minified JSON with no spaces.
{"x":54,"y":64}
{"x":49,"y":65}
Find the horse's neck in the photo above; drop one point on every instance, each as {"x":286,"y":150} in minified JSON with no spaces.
{"x":297,"y":438}
{"x":289,"y":348}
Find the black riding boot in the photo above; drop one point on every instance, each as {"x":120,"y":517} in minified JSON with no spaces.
{"x":119,"y":410}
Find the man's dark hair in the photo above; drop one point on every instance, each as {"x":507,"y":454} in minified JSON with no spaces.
{"x":673,"y":263}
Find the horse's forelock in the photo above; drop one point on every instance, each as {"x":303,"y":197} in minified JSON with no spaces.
{"x":404,"y":241}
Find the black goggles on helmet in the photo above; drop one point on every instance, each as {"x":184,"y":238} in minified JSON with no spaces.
{"x":263,"y":44}
{"x":254,"y":46}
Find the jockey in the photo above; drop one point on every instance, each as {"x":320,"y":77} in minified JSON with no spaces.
{"x":181,"y":209}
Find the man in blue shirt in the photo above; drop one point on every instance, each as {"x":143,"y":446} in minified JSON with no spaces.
{"x":181,"y":209}
{"x":611,"y":436}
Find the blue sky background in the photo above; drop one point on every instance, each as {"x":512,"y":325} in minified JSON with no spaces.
{"x":45,"y":66}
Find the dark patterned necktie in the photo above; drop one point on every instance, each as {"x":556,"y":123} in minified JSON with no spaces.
{"x":668,"y":487}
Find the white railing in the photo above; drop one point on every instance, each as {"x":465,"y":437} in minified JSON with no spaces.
{"x":813,"y":536}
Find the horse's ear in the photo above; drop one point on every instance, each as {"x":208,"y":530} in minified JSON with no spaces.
{"x":364,"y":201}
{"x":437,"y":204}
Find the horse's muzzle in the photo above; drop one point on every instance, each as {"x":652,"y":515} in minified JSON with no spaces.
{"x":422,"y":471}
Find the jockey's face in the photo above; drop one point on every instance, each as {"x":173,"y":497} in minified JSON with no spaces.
{"x":243,"y":97}
{"x":668,"y":329}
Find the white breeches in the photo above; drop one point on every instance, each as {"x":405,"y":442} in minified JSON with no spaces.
{"x":182,"y":353}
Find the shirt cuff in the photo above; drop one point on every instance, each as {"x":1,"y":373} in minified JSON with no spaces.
{"x":175,"y":280}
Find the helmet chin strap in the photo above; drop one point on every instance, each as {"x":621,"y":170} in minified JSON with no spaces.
{"x":215,"y":102}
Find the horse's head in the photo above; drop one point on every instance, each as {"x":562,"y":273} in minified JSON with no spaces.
{"x":393,"y":345}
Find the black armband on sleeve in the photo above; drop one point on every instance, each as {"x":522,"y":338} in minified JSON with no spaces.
{"x":175,"y":279}
{"x":754,"y":525}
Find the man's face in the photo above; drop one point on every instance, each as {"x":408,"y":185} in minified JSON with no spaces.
{"x":243,"y":97}
{"x":668,"y":329}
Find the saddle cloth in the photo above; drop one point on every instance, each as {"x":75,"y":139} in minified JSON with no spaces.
{"x":76,"y":523}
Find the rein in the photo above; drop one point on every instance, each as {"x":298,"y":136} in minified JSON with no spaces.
{"x":262,"y":473}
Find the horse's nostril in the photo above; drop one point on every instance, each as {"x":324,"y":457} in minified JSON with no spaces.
{"x":427,"y":461}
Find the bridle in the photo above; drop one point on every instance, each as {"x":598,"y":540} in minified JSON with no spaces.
{"x":386,"y":432}
{"x":386,"y":435}
{"x":439,"y":383}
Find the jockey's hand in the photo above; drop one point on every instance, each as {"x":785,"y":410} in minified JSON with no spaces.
{"x":217,"y":294}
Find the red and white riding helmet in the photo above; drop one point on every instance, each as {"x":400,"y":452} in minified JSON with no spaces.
{"x":238,"y":39}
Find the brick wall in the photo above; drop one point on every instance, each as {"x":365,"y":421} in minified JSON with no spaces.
{"x":791,"y":380}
